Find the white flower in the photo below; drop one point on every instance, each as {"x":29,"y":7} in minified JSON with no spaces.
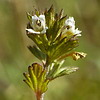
{"x":38,"y":25}
{"x":70,"y":22}
{"x":76,"y":31}
{"x":70,"y":26}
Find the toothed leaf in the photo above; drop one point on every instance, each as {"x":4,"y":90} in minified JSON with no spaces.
{"x":36,"y":52}
{"x":33,"y":77}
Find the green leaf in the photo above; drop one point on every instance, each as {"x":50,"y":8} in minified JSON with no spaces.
{"x":29,"y":84}
{"x":37,"y":12}
{"x":65,"y":71}
{"x":29,"y":17}
{"x":33,"y":77}
{"x":50,"y":19}
{"x":35,"y":68}
{"x":64,"y":47}
{"x":44,"y":40}
{"x":27,"y":77}
{"x":61,"y":13}
{"x":54,"y":69}
{"x":28,"y":80}
{"x":44,"y":86}
{"x":36,"y":52}
{"x":57,"y":28}
{"x":36,"y":79}
{"x":41,"y":79}
{"x":49,"y":16}
{"x":40,"y":68}
{"x":37,"y":39}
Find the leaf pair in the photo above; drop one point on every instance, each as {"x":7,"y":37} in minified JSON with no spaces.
{"x":40,"y":40}
{"x":36,"y":78}
{"x":63,"y":46}
{"x":55,"y":23}
{"x":58,"y":71}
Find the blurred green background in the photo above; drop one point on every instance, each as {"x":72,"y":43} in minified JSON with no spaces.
{"x":15,"y":57}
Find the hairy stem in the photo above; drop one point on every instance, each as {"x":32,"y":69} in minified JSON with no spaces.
{"x":39,"y":96}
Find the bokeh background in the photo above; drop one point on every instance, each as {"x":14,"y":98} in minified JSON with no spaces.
{"x":15,"y":57}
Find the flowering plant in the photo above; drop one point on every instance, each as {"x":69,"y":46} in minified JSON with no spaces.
{"x":55,"y":38}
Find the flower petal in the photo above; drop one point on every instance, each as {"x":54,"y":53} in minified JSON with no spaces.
{"x":77,"y":32}
{"x":70,"y":22}
{"x":34,"y":17}
{"x":38,"y":23}
{"x":42,"y":17}
{"x":32,"y":31}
